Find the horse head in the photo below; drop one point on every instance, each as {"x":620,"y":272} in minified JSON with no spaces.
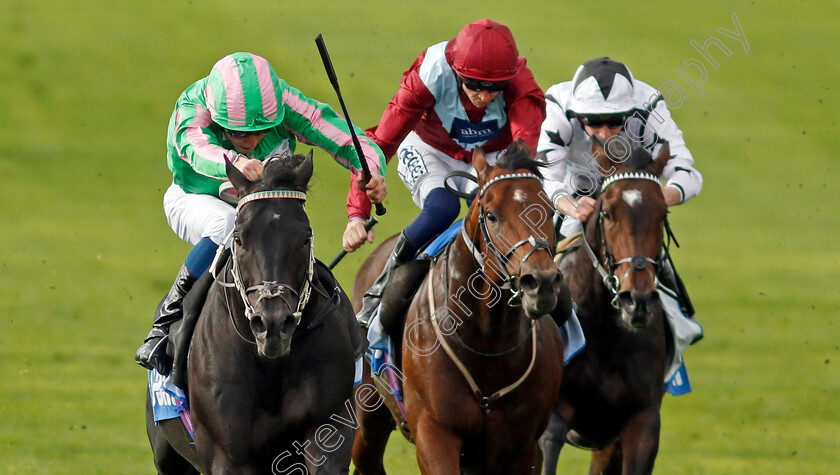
{"x":272,"y":258}
{"x":513,"y":216}
{"x":626,"y":229}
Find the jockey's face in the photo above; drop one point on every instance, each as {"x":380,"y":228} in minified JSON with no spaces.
{"x":603,"y":126}
{"x":245,"y":144}
{"x":479,"y":99}
{"x":603,"y":132}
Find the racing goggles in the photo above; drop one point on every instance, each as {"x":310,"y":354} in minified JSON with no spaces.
{"x":599,"y":120}
{"x":478,"y":85}
{"x":238,"y":134}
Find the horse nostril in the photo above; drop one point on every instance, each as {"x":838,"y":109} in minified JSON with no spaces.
{"x":627,"y":302}
{"x":289,"y":324}
{"x":528,"y":282}
{"x":637,"y":301}
{"x":258,"y":324}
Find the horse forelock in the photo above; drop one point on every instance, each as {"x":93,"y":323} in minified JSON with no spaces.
{"x":518,"y":157}
{"x":280,"y":172}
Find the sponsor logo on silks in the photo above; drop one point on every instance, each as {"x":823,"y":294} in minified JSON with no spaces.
{"x":411,"y":166}
{"x":466,"y":132}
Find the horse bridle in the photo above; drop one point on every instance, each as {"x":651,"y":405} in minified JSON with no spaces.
{"x":268,"y":289}
{"x":608,"y":276}
{"x":501,"y":260}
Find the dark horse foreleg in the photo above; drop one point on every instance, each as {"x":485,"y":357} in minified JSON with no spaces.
{"x":552,"y":442}
{"x":329,"y":449}
{"x":635,"y":452}
{"x":375,"y":426}
{"x":370,"y":440}
{"x":640,"y":442}
{"x":606,"y":461}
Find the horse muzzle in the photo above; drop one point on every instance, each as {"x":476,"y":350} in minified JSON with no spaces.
{"x":274,"y":335}
{"x":637,"y":307}
{"x":539,"y":291}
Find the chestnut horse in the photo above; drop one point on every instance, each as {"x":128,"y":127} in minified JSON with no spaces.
{"x":612,"y":390}
{"x":271,"y":364}
{"x":482,"y":358}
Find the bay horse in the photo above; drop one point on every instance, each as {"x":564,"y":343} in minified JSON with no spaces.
{"x":271,"y":364}
{"x":612,"y":390}
{"x":481,"y":356}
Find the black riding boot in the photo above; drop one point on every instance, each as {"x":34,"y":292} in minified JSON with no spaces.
{"x":152,"y":355}
{"x":669,"y":278}
{"x":403,"y":251}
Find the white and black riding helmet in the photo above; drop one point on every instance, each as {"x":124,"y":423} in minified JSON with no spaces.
{"x":602,"y":86}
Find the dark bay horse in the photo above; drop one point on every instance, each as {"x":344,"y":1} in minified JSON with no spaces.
{"x":481,"y":357}
{"x":271,"y":364}
{"x":612,"y":390}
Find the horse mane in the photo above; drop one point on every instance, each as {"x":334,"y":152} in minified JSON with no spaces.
{"x":517,"y":156}
{"x":280,"y":172}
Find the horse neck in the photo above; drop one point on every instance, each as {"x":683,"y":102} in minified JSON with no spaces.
{"x":477,"y":301}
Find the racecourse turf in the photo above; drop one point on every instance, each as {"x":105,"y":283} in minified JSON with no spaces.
{"x":86,"y":89}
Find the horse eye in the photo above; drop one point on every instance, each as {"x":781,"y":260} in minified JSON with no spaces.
{"x":491,"y":217}
{"x":237,"y":239}
{"x":606,"y":215}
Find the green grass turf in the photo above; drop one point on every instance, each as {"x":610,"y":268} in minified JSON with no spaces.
{"x":86,"y":89}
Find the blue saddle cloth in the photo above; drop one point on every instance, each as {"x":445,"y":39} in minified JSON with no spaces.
{"x":168,"y":400}
{"x":441,"y":241}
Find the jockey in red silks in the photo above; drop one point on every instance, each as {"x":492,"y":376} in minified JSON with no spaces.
{"x":474,"y":90}
{"x":243,"y":113}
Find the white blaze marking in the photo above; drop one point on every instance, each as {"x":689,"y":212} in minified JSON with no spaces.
{"x":632,"y":197}
{"x":519,"y":196}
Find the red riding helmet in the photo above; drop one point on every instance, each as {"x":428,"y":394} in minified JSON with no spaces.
{"x":485,"y":50}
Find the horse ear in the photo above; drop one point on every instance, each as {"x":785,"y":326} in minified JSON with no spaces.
{"x":661,"y":159}
{"x":479,"y":162}
{"x":304,"y":171}
{"x":236,"y":178}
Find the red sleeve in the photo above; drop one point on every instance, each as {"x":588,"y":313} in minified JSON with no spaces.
{"x":358,"y":204}
{"x":404,"y":110}
{"x":527,"y":107}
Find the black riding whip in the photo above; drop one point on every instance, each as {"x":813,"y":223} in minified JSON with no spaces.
{"x":325,"y":57}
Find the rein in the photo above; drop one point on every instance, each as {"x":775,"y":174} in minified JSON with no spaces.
{"x":268,"y":289}
{"x":611,"y":281}
{"x":483,"y":401}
